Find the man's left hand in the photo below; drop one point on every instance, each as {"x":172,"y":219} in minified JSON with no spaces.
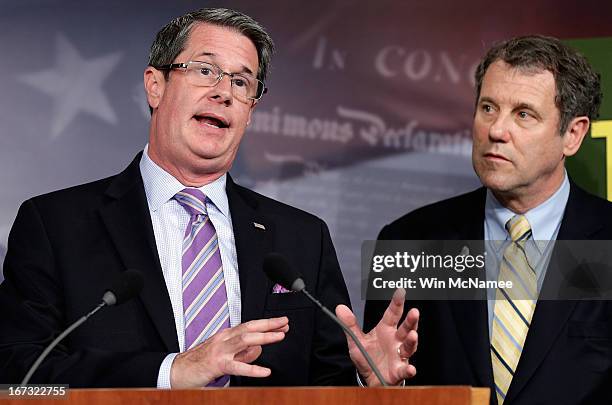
{"x":389,"y":346}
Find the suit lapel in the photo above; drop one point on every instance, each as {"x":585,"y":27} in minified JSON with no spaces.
{"x":128,"y":222}
{"x":470,"y":316}
{"x":550,"y":317}
{"x":253,"y":235}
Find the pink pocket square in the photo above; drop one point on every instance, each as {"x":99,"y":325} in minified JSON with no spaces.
{"x":279,"y":289}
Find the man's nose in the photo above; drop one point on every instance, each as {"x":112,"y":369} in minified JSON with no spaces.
{"x":222,"y":92}
{"x":499,"y":130}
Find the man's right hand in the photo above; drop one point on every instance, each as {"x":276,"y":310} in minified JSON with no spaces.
{"x":228,"y":352}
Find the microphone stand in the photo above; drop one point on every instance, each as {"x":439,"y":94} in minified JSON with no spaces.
{"x":58,"y":339}
{"x":351,"y":334}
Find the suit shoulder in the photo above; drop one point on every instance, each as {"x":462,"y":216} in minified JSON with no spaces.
{"x":272,"y":207}
{"x":588,"y":210}
{"x":441,"y":212}
{"x":75,"y":195}
{"x":592,"y":201}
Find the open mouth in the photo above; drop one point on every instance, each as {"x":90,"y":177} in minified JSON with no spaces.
{"x":211,"y":121}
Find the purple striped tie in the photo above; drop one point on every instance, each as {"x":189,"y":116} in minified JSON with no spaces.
{"x":204,"y":296}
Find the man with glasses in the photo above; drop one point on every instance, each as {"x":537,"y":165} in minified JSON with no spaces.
{"x":207,"y":316}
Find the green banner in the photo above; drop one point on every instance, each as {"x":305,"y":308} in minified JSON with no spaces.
{"x":591,"y":167}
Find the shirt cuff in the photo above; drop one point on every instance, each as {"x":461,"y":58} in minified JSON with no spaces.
{"x":361,"y":384}
{"x":359,"y":379}
{"x":163,"y":377}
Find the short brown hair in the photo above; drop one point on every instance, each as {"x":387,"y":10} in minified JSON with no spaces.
{"x":578,"y":86}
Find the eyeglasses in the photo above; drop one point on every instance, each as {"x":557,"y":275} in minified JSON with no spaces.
{"x":203,"y":74}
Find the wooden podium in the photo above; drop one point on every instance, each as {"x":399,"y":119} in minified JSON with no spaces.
{"x":455,"y":395}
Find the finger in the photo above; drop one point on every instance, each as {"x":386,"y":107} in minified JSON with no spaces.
{"x":410,"y":323}
{"x":409,"y":345}
{"x":247,"y":370}
{"x":413,"y":318}
{"x":414,"y":343}
{"x":401,"y":370}
{"x":406,"y":372}
{"x":248,"y":355}
{"x":241,"y":342}
{"x":350,"y":320}
{"x":265,"y":325}
{"x":281,"y":329}
{"x":394,"y":311}
{"x":258,"y":325}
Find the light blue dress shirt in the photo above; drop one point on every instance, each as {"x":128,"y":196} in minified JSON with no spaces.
{"x":170,"y":220}
{"x":545,"y":221}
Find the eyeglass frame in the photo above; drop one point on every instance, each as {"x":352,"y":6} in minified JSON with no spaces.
{"x":185,"y":66}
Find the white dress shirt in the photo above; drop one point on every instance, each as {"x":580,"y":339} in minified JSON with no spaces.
{"x":170,"y":220}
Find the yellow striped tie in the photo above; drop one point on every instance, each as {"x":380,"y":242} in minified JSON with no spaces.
{"x":513,"y":307}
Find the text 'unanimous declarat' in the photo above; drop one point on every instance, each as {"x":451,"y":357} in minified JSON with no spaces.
{"x":487,"y":270}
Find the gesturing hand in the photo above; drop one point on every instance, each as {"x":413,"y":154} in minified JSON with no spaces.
{"x":389,"y":346}
{"x":228,"y":352}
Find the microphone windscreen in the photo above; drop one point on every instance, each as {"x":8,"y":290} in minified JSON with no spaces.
{"x":280,"y":271}
{"x":127,"y":285}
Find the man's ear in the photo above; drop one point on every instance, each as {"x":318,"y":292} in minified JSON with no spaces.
{"x":251,"y":112}
{"x":154,"y":85}
{"x":574,"y":135}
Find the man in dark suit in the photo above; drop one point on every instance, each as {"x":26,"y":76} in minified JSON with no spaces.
{"x":535,"y":100}
{"x":207,"y":311}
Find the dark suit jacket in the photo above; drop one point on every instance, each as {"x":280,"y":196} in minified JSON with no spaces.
{"x":66,"y":247}
{"x":567,"y":356}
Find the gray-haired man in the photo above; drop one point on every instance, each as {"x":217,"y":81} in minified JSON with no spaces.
{"x":207,"y":314}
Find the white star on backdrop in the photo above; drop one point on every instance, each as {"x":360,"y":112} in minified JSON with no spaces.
{"x":75,"y":84}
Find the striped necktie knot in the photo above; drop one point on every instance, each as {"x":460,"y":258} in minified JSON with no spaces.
{"x":193,"y":200}
{"x":518,"y":228}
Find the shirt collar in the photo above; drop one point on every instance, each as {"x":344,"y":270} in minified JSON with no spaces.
{"x":160,"y":186}
{"x":544,"y":219}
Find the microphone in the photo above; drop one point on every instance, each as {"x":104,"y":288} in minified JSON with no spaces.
{"x":124,"y":288}
{"x":280,"y":271}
